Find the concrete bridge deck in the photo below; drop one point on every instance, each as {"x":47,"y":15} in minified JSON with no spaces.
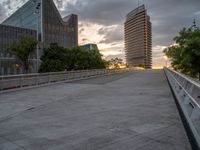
{"x":129,"y":111}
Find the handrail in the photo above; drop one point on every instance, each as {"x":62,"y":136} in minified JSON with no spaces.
{"x":187,"y":93}
{"x":186,"y":78}
{"x":189,"y":80}
{"x":13,"y":82}
{"x":33,"y":74}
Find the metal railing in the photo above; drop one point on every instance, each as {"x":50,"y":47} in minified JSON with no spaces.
{"x":27,"y":80}
{"x":187,"y":93}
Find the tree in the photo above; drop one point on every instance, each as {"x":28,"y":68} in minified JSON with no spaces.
{"x":81,"y":58}
{"x":185,"y":54}
{"x":142,"y":66}
{"x":54,"y":59}
{"x":23,"y":50}
{"x":57,"y":58}
{"x":116,"y":62}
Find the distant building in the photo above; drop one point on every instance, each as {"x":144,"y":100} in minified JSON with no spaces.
{"x":138,"y":38}
{"x":43,"y":17}
{"x":90,"y":46}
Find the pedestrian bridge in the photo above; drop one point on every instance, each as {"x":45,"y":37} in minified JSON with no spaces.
{"x":133,"y":110}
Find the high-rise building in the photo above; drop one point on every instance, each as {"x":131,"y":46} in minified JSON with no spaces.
{"x":138,"y":38}
{"x":42,"y":17}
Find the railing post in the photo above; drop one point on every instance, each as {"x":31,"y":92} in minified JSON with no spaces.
{"x":37,"y":79}
{"x":66,"y":76}
{"x":1,"y":83}
{"x":49,"y":78}
{"x":21,"y":79}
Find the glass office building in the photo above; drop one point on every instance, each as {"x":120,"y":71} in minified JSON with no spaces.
{"x":28,"y":16}
{"x":90,"y":47}
{"x":43,"y":17}
{"x":138,"y":38}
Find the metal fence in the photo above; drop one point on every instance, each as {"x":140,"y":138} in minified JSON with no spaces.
{"x":187,"y":92}
{"x":27,"y":80}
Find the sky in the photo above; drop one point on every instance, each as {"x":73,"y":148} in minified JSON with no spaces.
{"x":102,"y":21}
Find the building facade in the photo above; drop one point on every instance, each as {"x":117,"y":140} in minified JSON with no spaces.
{"x":90,"y":47}
{"x":138,"y":38}
{"x":43,"y":17}
{"x":9,"y":35}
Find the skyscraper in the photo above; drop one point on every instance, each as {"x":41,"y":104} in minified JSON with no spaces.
{"x":138,"y":38}
{"x":43,"y":18}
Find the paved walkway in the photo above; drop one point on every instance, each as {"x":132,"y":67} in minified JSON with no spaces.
{"x":130,"y":111}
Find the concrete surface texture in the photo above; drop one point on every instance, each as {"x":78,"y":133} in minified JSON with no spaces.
{"x":129,"y":111}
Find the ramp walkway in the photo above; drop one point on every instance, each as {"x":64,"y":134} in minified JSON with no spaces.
{"x":128,"y":111}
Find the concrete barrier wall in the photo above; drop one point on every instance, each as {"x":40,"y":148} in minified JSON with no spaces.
{"x":27,"y":80}
{"x":187,"y":92}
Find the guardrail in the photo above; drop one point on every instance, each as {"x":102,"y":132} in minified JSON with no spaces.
{"x":29,"y":80}
{"x":187,"y":93}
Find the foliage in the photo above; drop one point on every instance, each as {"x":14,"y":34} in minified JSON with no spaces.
{"x":81,"y":59}
{"x":23,"y":50}
{"x":56,"y":58}
{"x":185,"y":54}
{"x":142,"y":66}
{"x":116,"y":62}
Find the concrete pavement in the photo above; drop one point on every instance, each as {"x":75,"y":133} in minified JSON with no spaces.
{"x":129,"y":111}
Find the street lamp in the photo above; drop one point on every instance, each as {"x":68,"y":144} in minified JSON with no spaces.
{"x":166,"y":59}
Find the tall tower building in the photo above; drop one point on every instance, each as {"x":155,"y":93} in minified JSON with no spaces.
{"x":138,"y":38}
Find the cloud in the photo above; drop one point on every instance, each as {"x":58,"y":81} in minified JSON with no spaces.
{"x":9,"y":6}
{"x":88,"y":33}
{"x":113,"y":50}
{"x":111,"y":34}
{"x":109,"y":57}
{"x":81,"y":30}
{"x":2,"y":12}
{"x":169,"y":17}
{"x":84,"y":39}
{"x":157,"y":52}
{"x":197,"y":13}
{"x":106,"y":12}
